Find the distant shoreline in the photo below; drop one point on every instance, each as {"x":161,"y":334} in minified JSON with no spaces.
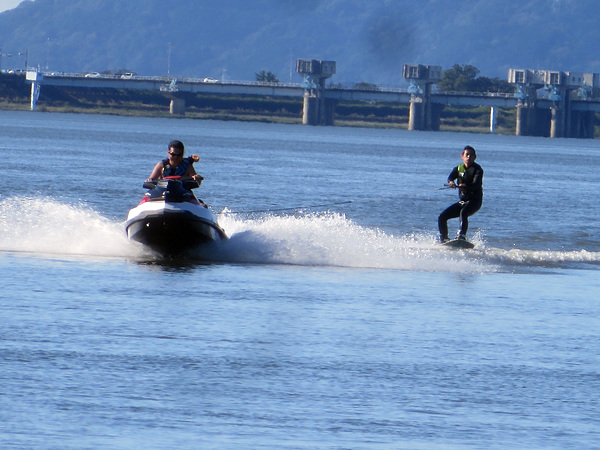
{"x":133,"y":112}
{"x":14,"y":95}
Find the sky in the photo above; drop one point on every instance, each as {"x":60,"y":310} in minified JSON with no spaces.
{"x":8,"y":4}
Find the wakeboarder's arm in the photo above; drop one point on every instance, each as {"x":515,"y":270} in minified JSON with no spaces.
{"x":453,"y":176}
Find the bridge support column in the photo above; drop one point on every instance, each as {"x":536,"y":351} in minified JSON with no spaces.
{"x":540,"y":122}
{"x":317,"y":110}
{"x":422,"y":112}
{"x":521,"y":118}
{"x":589,"y":120}
{"x":177,"y":106}
{"x":36,"y":79}
{"x":436,"y":116}
{"x":329,"y":111}
{"x":556,"y":129}
{"x":493,"y":119}
{"x":531,"y":121}
{"x":35,"y":94}
{"x":415,"y":114}
{"x":582,"y":124}
{"x":310,"y":110}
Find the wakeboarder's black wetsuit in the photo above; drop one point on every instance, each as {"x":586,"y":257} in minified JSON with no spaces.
{"x":471,"y":197}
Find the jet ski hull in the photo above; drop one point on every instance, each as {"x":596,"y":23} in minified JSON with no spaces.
{"x":173,"y":228}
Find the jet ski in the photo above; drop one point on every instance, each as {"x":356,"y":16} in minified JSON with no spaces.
{"x":171,"y":220}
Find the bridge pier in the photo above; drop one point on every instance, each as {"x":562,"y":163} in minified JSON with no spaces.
{"x":415,"y":114}
{"x":329,"y":111}
{"x":524,"y":116}
{"x":570,"y":117}
{"x":582,"y":124}
{"x":310,"y":110}
{"x":422,"y":115}
{"x":532,"y":121}
{"x":553,"y":115}
{"x":177,"y":106}
{"x":519,"y":121}
{"x":556,"y":128}
{"x":317,"y":109}
{"x":493,"y":119}
{"x":436,"y":116}
{"x":36,"y":79}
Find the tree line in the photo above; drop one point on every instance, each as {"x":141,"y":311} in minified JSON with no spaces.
{"x":465,"y":79}
{"x":460,"y":78}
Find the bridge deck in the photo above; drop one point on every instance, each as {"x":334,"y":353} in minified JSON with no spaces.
{"x":396,"y":95}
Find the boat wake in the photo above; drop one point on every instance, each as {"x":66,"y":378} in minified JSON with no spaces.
{"x":331,"y":239}
{"x":44,"y":226}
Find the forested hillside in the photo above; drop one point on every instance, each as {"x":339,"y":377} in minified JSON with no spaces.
{"x":235,"y":39}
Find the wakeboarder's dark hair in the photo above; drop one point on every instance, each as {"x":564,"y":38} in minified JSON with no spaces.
{"x":471,"y":149}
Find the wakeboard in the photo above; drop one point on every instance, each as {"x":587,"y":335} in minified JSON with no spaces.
{"x":458,"y":243}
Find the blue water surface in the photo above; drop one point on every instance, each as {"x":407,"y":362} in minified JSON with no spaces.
{"x":329,"y":319}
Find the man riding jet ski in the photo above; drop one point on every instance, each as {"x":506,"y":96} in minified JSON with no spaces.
{"x":175,"y":164}
{"x":170,"y":219}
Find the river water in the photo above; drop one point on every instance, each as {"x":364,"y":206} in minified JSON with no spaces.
{"x":329,"y":319}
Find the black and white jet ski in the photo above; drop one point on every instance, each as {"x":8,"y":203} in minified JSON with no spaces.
{"x":171,"y":220}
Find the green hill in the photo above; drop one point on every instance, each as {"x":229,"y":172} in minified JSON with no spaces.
{"x":234,"y":39}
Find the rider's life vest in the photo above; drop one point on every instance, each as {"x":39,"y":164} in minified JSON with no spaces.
{"x":180,"y":170}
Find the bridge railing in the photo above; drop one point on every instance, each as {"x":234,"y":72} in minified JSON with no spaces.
{"x":193,"y":80}
{"x":476,"y":94}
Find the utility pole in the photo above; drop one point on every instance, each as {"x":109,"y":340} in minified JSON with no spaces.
{"x":47,"y":52}
{"x":169,"y":60}
{"x":26,"y":54}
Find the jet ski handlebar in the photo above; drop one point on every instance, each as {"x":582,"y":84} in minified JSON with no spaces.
{"x":187,"y":182}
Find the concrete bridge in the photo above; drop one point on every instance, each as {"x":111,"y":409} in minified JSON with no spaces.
{"x":535,"y":116}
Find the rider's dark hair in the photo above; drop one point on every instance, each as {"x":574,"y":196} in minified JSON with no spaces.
{"x":177,"y":145}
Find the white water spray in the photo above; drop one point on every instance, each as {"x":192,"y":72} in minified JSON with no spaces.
{"x":37,"y":225}
{"x":46,"y":226}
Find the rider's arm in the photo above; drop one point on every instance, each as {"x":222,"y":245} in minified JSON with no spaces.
{"x":191,"y":173}
{"x":156,"y":172}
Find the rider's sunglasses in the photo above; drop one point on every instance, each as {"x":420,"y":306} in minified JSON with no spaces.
{"x":175,"y":154}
